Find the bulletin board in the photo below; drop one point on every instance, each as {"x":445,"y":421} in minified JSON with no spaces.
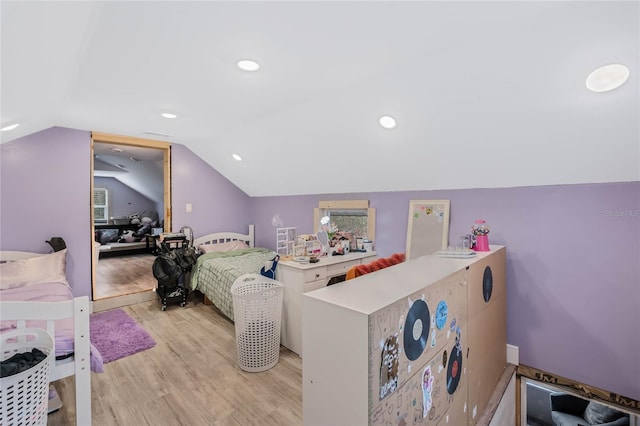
{"x":428,"y":227}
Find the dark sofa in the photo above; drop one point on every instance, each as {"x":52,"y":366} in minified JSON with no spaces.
{"x":569,"y":410}
{"x":112,"y":242}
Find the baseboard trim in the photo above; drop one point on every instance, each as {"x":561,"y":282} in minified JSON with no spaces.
{"x":120,"y":301}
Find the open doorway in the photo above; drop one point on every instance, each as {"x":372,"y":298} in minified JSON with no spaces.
{"x":131,"y":205}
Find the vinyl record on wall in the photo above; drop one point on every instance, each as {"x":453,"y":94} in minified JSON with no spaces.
{"x":454,"y":370}
{"x":416,"y":329}
{"x":487,"y":284}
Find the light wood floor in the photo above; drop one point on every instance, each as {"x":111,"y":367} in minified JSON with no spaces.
{"x":120,"y":275}
{"x":190,"y":377}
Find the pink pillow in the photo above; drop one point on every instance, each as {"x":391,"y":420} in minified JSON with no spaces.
{"x":228,"y":246}
{"x":49,"y":268}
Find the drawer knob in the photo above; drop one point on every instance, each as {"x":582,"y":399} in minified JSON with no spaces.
{"x":317,"y":275}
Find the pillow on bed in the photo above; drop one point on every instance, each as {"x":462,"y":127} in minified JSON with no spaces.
{"x":228,"y":246}
{"x":49,"y":268}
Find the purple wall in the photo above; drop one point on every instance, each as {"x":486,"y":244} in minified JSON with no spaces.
{"x":52,"y":169}
{"x":573,"y":251}
{"x":573,"y":267}
{"x":45,"y":190}
{"x":217,"y":204}
{"x":123,"y":199}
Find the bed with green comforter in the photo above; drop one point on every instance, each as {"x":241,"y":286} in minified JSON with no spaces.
{"x":214,"y":273}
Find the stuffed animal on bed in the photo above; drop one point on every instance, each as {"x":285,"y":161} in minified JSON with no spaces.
{"x":57,"y":243}
{"x":134,"y":218}
{"x":269,"y":268}
{"x":127,"y":237}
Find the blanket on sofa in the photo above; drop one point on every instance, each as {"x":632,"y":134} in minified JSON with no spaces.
{"x":376,"y":265}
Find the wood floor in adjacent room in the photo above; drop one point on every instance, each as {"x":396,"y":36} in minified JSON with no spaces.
{"x":190,"y":377}
{"x":120,"y":275}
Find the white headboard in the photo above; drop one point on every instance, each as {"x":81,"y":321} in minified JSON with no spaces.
{"x":223,"y":237}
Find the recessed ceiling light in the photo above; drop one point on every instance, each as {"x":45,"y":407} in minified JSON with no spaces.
{"x":168,"y":115}
{"x":237,"y":157}
{"x":9,"y":127}
{"x":607,"y":78}
{"x":387,"y":122}
{"x":248,"y":65}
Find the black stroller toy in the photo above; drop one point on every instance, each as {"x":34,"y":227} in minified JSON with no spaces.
{"x":170,"y":268}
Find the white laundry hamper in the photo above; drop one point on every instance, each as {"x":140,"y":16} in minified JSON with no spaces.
{"x":257,"y":313}
{"x":24,"y":397}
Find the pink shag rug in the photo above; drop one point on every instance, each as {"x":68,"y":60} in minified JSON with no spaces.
{"x":116,"y":335}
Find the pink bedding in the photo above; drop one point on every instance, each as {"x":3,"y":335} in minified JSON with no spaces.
{"x":49,"y":292}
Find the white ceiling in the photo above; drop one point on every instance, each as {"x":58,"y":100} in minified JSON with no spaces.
{"x":486,"y":94}
{"x":141,"y":169}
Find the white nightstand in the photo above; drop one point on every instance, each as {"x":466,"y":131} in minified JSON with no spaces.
{"x":301,"y":278}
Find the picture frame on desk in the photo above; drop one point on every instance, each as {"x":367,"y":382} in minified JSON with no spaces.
{"x":299,"y":250}
{"x":313,"y":247}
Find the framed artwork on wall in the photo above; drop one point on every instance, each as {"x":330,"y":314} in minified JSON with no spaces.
{"x":427,"y":228}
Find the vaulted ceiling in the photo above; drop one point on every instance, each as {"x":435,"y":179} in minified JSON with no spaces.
{"x":485,"y":94}
{"x":141,"y":169}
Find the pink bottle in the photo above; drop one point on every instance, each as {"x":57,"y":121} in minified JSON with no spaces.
{"x":480,"y":230}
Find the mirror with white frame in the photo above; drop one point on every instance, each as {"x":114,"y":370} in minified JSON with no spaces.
{"x":323,"y":238}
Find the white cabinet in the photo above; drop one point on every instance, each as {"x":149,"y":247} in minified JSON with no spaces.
{"x":285,"y":240}
{"x":422,"y":342}
{"x":299,"y":278}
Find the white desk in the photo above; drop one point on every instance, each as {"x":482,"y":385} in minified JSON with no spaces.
{"x":299,"y":278}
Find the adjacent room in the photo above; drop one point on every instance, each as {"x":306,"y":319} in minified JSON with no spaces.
{"x":440,"y":200}
{"x":128,"y":205}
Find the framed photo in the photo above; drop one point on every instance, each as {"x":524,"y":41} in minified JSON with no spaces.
{"x":298,"y":250}
{"x":313,"y":247}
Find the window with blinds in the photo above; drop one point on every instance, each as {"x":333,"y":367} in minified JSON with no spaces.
{"x":100,"y":205}
{"x":354,"y":216}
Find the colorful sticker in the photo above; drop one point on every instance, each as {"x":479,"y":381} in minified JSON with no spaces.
{"x":442,"y":312}
{"x":427,"y":387}
{"x":389,"y":367}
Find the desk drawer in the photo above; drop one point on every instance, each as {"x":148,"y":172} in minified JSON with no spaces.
{"x":314,"y":274}
{"x":341,"y":268}
{"x":315,"y":285}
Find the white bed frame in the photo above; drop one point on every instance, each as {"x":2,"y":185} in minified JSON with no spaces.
{"x":224,"y":237}
{"x":78,"y":308}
